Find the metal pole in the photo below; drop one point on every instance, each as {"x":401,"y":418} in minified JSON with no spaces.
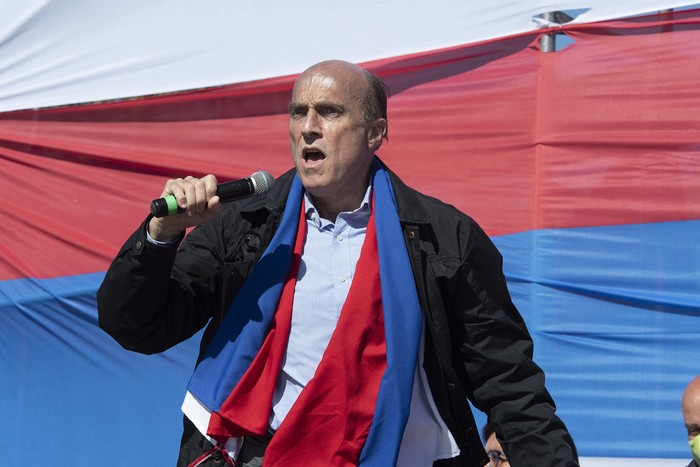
{"x":548,"y":41}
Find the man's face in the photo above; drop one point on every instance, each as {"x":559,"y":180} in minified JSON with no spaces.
{"x":331,"y":148}
{"x":691,"y":409}
{"x":493,"y":447}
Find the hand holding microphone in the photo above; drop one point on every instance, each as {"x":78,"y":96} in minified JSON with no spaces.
{"x":258,"y":183}
{"x":198,"y":195}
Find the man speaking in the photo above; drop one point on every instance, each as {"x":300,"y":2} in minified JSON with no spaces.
{"x":349,"y":318}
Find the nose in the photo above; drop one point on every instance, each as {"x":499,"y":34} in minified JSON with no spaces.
{"x":311,"y":126}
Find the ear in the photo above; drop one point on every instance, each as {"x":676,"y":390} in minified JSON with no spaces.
{"x":376,"y":132}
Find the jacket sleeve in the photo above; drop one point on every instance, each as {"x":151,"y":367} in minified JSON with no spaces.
{"x":497,"y":352}
{"x":147,"y":303}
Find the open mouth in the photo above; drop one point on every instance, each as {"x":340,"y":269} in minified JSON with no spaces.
{"x":313,"y":155}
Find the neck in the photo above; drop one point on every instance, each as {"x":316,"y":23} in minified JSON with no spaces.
{"x":330,"y":203}
{"x":330,"y":209}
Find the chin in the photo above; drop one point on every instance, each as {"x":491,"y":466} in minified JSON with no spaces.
{"x":311,"y":183}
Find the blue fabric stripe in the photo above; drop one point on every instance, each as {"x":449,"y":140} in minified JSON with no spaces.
{"x":243,"y":330}
{"x":615,"y":315}
{"x":403,"y":325}
{"x":65,"y":380}
{"x":614,"y":312}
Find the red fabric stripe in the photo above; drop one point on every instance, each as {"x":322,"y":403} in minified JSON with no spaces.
{"x":602,"y":133}
{"x":330,"y":420}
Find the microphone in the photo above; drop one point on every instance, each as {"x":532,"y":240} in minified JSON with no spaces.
{"x":258,"y":183}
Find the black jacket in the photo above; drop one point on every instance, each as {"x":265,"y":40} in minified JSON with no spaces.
{"x":477,"y":345}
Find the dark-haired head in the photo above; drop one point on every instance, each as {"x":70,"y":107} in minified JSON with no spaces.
{"x":487,"y":431}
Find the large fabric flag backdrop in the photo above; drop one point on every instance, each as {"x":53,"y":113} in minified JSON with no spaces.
{"x":582,"y":164}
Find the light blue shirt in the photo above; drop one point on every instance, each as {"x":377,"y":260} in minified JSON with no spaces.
{"x":331,"y":251}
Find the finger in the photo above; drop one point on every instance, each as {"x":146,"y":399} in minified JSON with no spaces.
{"x":200,"y":193}
{"x":210,"y":184}
{"x":174,"y":187}
{"x":195,"y":194}
{"x":213,"y":208}
{"x":211,"y":187}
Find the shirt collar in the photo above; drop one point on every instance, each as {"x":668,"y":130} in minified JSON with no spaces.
{"x":362,"y":212}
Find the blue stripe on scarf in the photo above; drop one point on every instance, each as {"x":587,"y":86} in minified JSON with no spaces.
{"x":403,"y":326}
{"x":243,"y":330}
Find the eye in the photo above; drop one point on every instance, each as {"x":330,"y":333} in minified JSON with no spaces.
{"x":693,"y":430}
{"x":330,"y":111}
{"x":297,"y":111}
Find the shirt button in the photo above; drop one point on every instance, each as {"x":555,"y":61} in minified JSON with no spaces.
{"x":342,"y":278}
{"x":340,"y":238}
{"x":313,"y":216}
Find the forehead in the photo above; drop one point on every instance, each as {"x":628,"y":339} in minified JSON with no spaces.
{"x":691,"y":403}
{"x":339,"y":85}
{"x":492,"y":442}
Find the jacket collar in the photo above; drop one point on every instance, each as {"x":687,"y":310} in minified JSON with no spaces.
{"x":410,"y":208}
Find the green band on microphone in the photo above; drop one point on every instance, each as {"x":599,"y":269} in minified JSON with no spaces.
{"x":172,"y":204}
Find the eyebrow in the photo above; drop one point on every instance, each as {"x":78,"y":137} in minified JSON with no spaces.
{"x":321,"y":105}
{"x":295,"y":106}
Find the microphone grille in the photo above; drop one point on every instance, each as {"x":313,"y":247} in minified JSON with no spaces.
{"x":262,"y":181}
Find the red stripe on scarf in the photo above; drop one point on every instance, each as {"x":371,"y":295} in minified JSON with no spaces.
{"x":330,"y":421}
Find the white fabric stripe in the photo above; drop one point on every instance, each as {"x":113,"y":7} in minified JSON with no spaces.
{"x":55,"y":52}
{"x":426,"y":438}
{"x":197,"y":413}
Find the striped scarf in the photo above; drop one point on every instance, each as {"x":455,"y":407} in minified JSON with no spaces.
{"x":230,"y":359}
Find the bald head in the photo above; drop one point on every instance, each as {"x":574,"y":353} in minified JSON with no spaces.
{"x":691,"y":408}
{"x":335,"y":66}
